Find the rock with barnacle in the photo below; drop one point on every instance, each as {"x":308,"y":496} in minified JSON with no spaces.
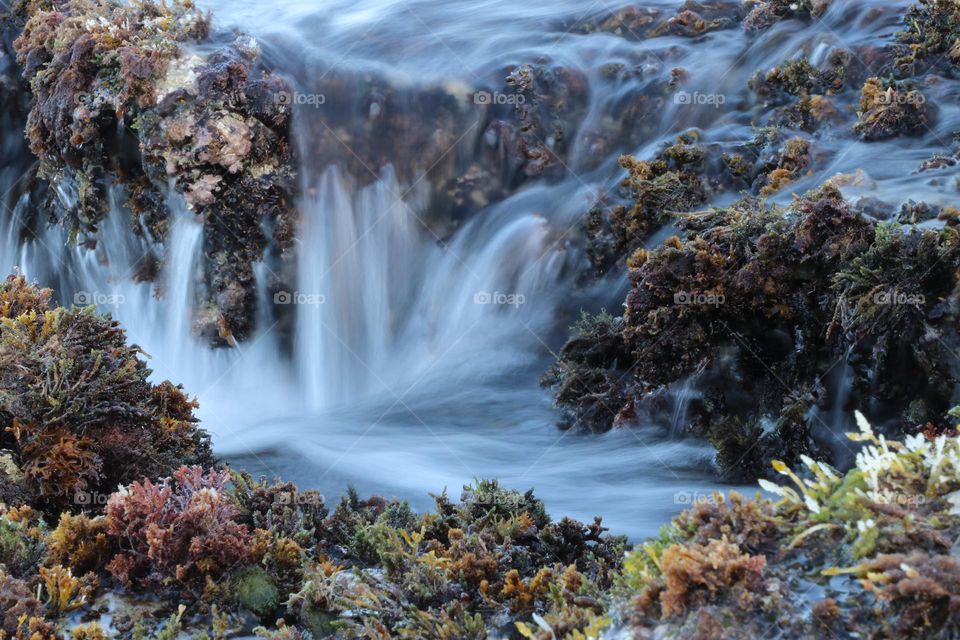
{"x":118,"y":95}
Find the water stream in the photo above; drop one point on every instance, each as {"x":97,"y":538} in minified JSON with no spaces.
{"x":415,"y":358}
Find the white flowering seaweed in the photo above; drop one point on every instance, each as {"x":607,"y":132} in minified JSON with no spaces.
{"x":890,"y":473}
{"x":884,"y":467}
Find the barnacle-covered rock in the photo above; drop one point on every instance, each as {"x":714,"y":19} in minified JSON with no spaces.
{"x":14,"y":489}
{"x":118,"y":97}
{"x":89,"y":66}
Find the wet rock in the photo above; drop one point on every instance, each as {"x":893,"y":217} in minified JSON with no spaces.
{"x":590,"y":377}
{"x":889,"y":108}
{"x":553,"y":100}
{"x":210,"y":126}
{"x":765,"y":13}
{"x":916,"y":212}
{"x":790,"y":163}
{"x":930,"y":35}
{"x":637,"y":22}
{"x":798,"y":77}
{"x":769,"y":300}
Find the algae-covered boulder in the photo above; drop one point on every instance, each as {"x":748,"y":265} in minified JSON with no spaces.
{"x":123,"y":93}
{"x":930,"y":34}
{"x":889,"y":108}
{"x":757,"y":305}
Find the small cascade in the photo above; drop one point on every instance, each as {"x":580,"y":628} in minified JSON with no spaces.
{"x":429,"y":342}
{"x":186,"y":238}
{"x":357,"y":259}
{"x":682,"y":397}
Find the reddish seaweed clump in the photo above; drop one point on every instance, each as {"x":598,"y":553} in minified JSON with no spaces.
{"x":181,"y":528}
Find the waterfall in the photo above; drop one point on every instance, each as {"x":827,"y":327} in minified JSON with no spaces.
{"x":186,"y":238}
{"x":400,"y":335}
{"x":357,"y":256}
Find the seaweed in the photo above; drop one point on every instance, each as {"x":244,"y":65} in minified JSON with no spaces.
{"x":889,"y":108}
{"x":768,"y":299}
{"x":82,"y":416}
{"x":182,"y":528}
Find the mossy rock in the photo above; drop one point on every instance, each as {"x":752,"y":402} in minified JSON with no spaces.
{"x":255,"y":591}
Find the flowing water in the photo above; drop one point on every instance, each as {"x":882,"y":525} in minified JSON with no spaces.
{"x":416,"y":354}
